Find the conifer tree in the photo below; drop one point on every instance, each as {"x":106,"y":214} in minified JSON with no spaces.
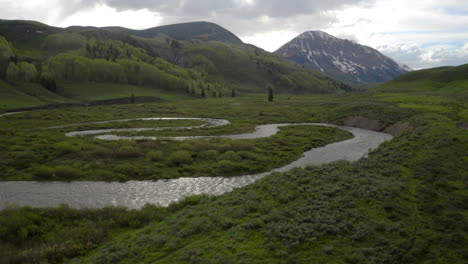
{"x":270,"y":93}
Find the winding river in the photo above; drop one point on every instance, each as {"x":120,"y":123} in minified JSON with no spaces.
{"x":135,"y":194}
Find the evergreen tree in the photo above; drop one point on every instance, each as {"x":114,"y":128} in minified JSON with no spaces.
{"x":133,"y":98}
{"x":270,"y":93}
{"x":233,"y":93}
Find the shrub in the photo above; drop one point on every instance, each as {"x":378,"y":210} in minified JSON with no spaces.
{"x":229,"y":167}
{"x":230,"y":155}
{"x":155,"y":156}
{"x":23,"y":159}
{"x":247,"y":155}
{"x":64,"y":148}
{"x":98,"y":152}
{"x":208,"y":154}
{"x":128,"y":170}
{"x":243,"y":147}
{"x":224,"y":148}
{"x":67,"y":173}
{"x":44,"y":173}
{"x":200,"y":146}
{"x":180,"y":157}
{"x":104,"y":175}
{"x":127,"y":152}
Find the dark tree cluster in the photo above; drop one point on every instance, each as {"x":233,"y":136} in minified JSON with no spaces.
{"x":49,"y":84}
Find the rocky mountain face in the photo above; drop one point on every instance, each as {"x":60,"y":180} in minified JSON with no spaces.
{"x":340,"y":58}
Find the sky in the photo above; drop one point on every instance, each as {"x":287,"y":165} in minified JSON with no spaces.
{"x":418,"y":33}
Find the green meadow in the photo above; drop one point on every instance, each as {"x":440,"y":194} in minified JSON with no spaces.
{"x":404,"y":203}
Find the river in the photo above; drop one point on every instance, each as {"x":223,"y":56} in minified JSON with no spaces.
{"x":135,"y":194}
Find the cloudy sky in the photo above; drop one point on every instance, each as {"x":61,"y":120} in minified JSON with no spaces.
{"x":419,"y":33}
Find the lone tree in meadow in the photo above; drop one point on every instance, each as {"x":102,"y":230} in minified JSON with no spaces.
{"x":233,"y":93}
{"x":270,"y":93}
{"x":132,"y":99}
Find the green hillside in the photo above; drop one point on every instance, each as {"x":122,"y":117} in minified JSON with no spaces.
{"x":443,"y":79}
{"x":441,"y":74}
{"x":202,"y":31}
{"x":162,"y":60}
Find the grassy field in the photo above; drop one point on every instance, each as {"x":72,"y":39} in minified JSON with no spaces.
{"x":404,"y":203}
{"x":27,"y":95}
{"x":47,"y":154}
{"x":103,"y":91}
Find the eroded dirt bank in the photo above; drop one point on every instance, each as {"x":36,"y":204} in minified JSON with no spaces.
{"x":395,"y":129}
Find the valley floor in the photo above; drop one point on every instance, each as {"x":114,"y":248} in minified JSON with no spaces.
{"x":404,"y":203}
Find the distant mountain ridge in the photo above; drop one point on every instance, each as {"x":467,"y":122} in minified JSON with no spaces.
{"x":203,"y":31}
{"x":343,"y":59}
{"x":200,"y":30}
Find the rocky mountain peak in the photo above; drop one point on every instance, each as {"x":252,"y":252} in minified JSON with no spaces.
{"x":340,"y":58}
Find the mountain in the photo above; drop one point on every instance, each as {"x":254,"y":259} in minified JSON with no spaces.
{"x":90,"y":63}
{"x":202,"y":31}
{"x":340,"y":58}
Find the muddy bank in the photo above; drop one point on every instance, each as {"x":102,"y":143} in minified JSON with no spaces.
{"x":395,"y":129}
{"x":117,"y":101}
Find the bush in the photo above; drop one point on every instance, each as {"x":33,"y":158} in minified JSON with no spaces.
{"x":44,"y":173}
{"x":180,"y":157}
{"x":67,"y":173}
{"x":23,"y":159}
{"x":93,"y":151}
{"x":243,"y":147}
{"x":64,"y":148}
{"x":127,"y":152}
{"x":155,"y":156}
{"x":200,"y":146}
{"x":228,"y":167}
{"x":231,"y":156}
{"x":208,"y":154}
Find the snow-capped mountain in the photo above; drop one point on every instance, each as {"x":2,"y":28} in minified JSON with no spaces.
{"x":343,"y":59}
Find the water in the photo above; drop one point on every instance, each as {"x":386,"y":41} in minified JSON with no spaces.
{"x":135,"y":194}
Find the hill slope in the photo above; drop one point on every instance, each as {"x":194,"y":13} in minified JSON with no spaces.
{"x":442,"y":79}
{"x":343,"y":59}
{"x":440,"y":74}
{"x":202,"y":31}
{"x":196,"y":59}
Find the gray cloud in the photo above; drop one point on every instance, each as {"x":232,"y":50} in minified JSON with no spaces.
{"x":418,"y":58}
{"x":239,"y":16}
{"x":271,"y":8}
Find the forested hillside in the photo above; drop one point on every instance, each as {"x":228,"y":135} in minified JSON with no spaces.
{"x":36,"y":59}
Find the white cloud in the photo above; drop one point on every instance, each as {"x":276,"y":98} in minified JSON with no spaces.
{"x":102,"y":15}
{"x":421,"y":34}
{"x":270,"y":40}
{"x":419,"y":58}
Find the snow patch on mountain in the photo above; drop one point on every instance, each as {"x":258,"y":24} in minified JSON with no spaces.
{"x":342,"y":59}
